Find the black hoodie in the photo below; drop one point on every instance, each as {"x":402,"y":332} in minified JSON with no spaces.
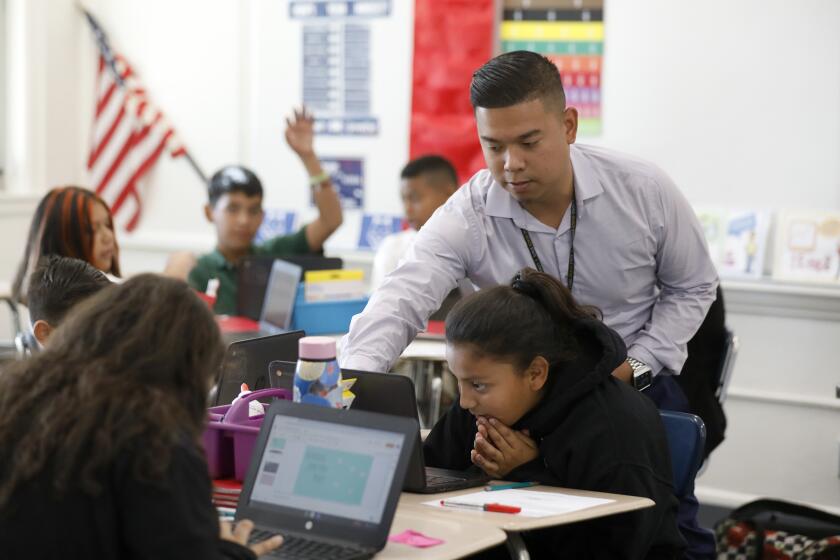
{"x":594,"y":432}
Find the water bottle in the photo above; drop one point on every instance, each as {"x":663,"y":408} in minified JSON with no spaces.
{"x":317,"y":375}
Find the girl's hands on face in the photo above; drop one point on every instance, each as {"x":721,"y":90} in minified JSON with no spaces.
{"x":499,"y":449}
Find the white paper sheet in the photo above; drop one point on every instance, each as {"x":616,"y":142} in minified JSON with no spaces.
{"x":533,"y":503}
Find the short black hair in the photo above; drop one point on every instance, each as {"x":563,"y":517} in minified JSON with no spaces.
{"x":233,"y":178}
{"x":438,"y":169}
{"x":58,"y":283}
{"x":516,"y":77}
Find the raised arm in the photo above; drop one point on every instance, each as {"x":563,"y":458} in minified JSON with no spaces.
{"x":687,"y":279}
{"x":299,"y":136}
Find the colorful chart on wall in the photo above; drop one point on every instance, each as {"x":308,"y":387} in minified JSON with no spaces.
{"x":808,"y":247}
{"x":571,"y":34}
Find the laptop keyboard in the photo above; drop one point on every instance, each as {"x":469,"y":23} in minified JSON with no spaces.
{"x":439,"y":479}
{"x":296,"y":547}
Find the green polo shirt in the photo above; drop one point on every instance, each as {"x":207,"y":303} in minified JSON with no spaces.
{"x":214,"y":265}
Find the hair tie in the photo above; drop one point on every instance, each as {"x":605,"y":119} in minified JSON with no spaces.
{"x":524,"y":287}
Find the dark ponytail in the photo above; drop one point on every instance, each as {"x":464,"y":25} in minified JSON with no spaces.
{"x":531,"y":317}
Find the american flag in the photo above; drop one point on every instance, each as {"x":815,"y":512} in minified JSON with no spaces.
{"x":129,"y":134}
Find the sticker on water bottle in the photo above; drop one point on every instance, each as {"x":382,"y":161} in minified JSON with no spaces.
{"x":318,"y":383}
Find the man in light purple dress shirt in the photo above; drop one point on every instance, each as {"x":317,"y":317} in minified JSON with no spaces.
{"x":614,"y":228}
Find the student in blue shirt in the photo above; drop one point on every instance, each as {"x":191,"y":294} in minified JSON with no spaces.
{"x":100,"y":453}
{"x":538,"y":402}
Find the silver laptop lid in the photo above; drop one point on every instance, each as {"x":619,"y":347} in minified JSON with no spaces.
{"x":280,"y":293}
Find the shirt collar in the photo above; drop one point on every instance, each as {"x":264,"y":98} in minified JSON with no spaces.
{"x":501,"y":204}
{"x":219,"y":261}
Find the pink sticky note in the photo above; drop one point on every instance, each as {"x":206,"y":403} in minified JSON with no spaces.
{"x":415,"y":539}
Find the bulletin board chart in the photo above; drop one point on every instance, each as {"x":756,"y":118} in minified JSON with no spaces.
{"x":571,"y":34}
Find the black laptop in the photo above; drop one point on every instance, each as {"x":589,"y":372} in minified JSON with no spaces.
{"x":254,"y":271}
{"x":327,"y":480}
{"x":391,"y":393}
{"x":255,"y":361}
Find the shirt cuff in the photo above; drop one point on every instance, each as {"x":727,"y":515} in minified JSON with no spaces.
{"x":640,"y":353}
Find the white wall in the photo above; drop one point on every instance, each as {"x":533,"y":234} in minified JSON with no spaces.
{"x":739,"y":100}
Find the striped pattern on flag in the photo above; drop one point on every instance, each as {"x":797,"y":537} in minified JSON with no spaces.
{"x":129,"y":135}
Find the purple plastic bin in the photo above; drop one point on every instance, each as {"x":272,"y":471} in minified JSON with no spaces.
{"x":230,"y":434}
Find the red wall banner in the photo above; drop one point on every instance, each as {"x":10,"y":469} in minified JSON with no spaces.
{"x":452,"y":38}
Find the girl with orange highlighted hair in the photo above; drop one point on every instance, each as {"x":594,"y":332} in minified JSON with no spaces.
{"x":70,"y":222}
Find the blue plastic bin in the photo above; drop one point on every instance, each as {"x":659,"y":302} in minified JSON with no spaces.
{"x":324,"y":317}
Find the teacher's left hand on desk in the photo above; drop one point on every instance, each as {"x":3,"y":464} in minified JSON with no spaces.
{"x":498,"y":449}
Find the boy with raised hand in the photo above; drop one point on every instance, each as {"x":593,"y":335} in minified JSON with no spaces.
{"x":235,"y":208}
{"x":56,"y":285}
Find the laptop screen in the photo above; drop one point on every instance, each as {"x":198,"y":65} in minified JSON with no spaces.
{"x":254,"y":361}
{"x":280,"y":294}
{"x":324,"y":468}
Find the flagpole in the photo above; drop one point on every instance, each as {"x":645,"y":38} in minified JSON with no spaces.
{"x":101,"y":39}
{"x":195,"y":167}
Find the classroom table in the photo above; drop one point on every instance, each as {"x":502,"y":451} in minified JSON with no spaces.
{"x":513,"y":525}
{"x":460,"y":539}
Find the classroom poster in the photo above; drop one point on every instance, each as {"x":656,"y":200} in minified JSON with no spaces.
{"x":277,"y":221}
{"x":713,"y":222}
{"x":336,"y":61}
{"x":376,"y":227}
{"x":571,"y":34}
{"x":350,"y":62}
{"x":808,"y":247}
{"x":348,"y":178}
{"x":744,"y":244}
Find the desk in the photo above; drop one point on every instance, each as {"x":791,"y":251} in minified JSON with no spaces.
{"x":514,"y":524}
{"x":461,"y":539}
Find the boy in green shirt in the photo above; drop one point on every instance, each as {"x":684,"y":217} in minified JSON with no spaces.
{"x":235,"y":208}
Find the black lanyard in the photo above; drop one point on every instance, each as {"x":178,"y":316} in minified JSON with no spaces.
{"x":570,"y":273}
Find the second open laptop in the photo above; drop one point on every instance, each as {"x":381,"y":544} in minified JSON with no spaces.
{"x":390,"y":393}
{"x":327,"y":480}
{"x":254,"y":361}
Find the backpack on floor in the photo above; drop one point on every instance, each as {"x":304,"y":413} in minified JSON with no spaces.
{"x":778,"y":530}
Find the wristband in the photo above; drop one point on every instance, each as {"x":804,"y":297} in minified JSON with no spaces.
{"x":322,"y":177}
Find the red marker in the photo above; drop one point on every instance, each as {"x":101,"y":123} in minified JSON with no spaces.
{"x":496,"y":508}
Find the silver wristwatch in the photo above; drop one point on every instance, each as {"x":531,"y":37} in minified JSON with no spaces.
{"x":642,"y":374}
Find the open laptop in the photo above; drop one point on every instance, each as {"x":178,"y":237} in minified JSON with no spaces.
{"x":391,"y":393}
{"x":327,"y":480}
{"x":254,"y":361}
{"x":253,"y":274}
{"x":280,"y":295}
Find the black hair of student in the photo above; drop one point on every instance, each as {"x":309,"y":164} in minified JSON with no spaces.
{"x":62,"y":226}
{"x":516,"y":77}
{"x":439,"y":169}
{"x":126,"y":375}
{"x":57,"y":284}
{"x":533,"y":316}
{"x":230,"y":179}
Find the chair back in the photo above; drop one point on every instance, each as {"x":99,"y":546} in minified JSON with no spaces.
{"x":727,"y":364}
{"x":686,"y":438}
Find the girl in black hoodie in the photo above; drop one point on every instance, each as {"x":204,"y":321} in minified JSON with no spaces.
{"x":538,"y":403}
